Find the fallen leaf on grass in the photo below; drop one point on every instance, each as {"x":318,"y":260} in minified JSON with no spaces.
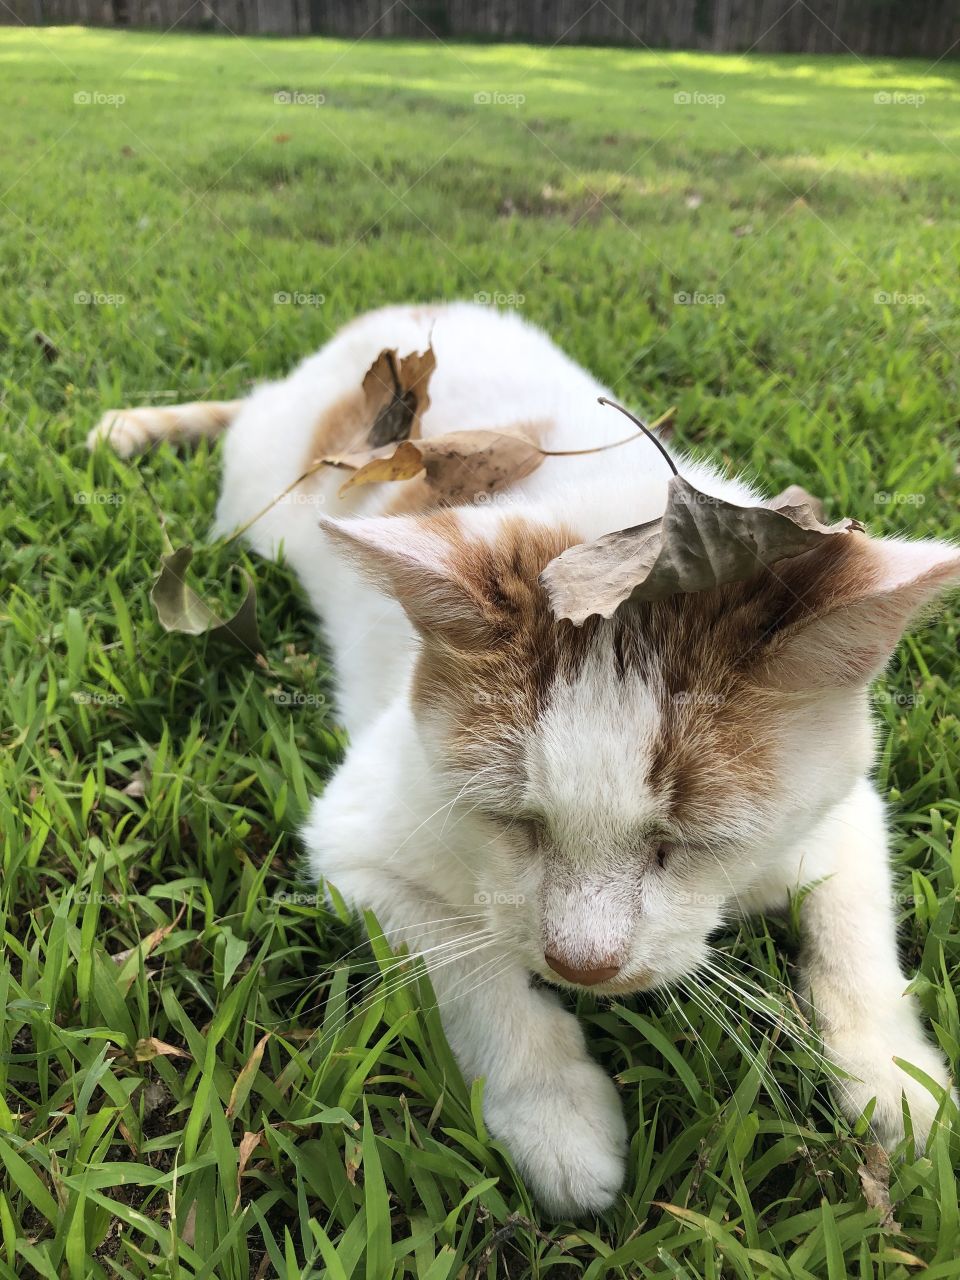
{"x":137,"y":786}
{"x":396,"y":394}
{"x":180,"y":609}
{"x":699,"y":542}
{"x":144,"y":947}
{"x":248,"y":1145}
{"x":875,"y":1181}
{"x":244,"y":1081}
{"x":149,"y":1047}
{"x":352,"y":1159}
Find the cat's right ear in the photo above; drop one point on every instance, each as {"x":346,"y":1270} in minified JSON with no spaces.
{"x":419,"y":561}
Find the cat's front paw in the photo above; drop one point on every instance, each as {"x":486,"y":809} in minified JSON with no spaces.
{"x":869,"y":1059}
{"x":567,"y":1135}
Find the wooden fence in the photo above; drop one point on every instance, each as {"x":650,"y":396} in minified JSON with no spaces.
{"x":925,"y":28}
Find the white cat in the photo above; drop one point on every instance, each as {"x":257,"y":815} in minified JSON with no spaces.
{"x":523,"y":797}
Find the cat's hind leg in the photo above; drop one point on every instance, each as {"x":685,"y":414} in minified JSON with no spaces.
{"x":130,"y":431}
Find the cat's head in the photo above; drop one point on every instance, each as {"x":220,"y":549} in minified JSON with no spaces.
{"x":623,"y":784}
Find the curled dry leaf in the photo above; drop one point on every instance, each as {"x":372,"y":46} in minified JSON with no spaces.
{"x":875,"y":1181}
{"x":248,"y":1145}
{"x":396,"y":394}
{"x":458,"y":466}
{"x":699,"y":542}
{"x":179,"y":608}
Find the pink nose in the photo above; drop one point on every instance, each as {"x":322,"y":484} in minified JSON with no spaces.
{"x":583,"y":977}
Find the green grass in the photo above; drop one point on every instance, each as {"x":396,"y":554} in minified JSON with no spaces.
{"x":129,"y":1083}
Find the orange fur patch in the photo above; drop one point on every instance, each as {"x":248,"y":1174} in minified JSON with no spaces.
{"x":702,"y":654}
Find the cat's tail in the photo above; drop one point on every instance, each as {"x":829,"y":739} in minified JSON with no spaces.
{"x":130,"y":431}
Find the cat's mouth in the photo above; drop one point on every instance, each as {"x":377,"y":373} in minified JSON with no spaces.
{"x":620,"y":985}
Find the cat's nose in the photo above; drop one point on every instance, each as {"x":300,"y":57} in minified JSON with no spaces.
{"x":583,"y":977}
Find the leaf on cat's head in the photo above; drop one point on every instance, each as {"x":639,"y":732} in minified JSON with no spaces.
{"x":396,"y":392}
{"x":180,"y":609}
{"x":699,"y":542}
{"x":459,"y":467}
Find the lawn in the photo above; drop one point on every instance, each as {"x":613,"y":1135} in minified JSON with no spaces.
{"x":205,"y":1073}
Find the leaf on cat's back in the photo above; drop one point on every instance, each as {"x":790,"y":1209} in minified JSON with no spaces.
{"x":699,"y":542}
{"x":399,"y":462}
{"x":180,"y":609}
{"x":459,"y":467}
{"x":396,"y":393}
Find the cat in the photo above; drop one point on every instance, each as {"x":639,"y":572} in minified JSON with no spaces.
{"x":530,"y":804}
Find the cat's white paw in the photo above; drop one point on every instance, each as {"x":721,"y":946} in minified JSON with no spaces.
{"x":567,"y":1136}
{"x":122,"y":430}
{"x":870,"y":1058}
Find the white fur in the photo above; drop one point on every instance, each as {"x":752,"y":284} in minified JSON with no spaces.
{"x":394,"y":834}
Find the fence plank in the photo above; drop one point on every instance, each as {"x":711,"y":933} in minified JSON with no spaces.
{"x":922,"y":28}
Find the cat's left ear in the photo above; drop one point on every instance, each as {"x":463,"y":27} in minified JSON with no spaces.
{"x":419,"y":561}
{"x":854,"y":614}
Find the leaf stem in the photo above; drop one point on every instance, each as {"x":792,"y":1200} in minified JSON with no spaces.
{"x":645,"y":429}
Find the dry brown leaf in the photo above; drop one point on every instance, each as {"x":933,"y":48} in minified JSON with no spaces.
{"x":396,"y":394}
{"x":147,"y":945}
{"x":246,"y":1077}
{"x":393,"y":462}
{"x":700,"y":542}
{"x":149,"y":1047}
{"x":875,"y":1181}
{"x":352,"y":1159}
{"x":459,"y":466}
{"x":137,"y":786}
{"x":248,"y":1145}
{"x":188,"y":1231}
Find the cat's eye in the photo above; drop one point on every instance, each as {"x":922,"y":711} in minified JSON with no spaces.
{"x":661,"y":855}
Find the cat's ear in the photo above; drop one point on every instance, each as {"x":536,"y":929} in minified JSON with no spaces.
{"x":852,"y":612}
{"x":418,"y":561}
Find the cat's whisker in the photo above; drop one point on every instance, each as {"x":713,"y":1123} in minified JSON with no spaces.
{"x":774,"y":1089}
{"x":751,"y":1054}
{"x":393,"y":985}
